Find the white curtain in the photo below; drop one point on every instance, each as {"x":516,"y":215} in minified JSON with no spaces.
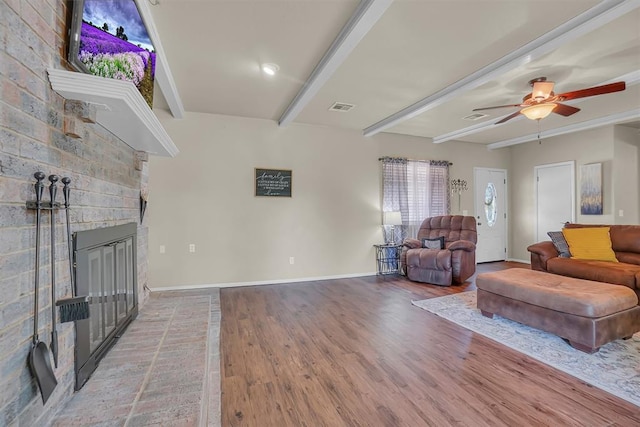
{"x":419,"y":195}
{"x":418,"y":189}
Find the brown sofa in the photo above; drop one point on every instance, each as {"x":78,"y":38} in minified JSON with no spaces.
{"x":625,"y":242}
{"x":452,"y":265}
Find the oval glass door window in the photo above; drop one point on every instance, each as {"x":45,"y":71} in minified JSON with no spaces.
{"x":490,"y":208}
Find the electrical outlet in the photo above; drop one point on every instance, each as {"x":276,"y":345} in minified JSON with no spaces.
{"x":292,"y":260}
{"x":163,"y":249}
{"x":620,"y":212}
{"x":192,"y":248}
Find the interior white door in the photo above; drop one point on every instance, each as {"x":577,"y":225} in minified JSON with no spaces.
{"x":555,"y":197}
{"x":491,"y":215}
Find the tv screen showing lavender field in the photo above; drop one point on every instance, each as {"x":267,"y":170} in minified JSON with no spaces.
{"x":114,"y":43}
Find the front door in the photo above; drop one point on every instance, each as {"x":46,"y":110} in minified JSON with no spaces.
{"x":491,"y":215}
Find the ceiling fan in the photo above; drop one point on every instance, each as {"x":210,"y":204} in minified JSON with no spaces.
{"x":542,"y":101}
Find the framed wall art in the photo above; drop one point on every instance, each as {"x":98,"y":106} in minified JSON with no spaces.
{"x":591,"y":189}
{"x":273,"y":182}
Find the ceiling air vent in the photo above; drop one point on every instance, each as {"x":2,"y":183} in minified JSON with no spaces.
{"x":341,"y":106}
{"x":475,"y":116}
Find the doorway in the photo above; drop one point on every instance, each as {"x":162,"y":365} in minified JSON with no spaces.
{"x":555,"y":197}
{"x":491,"y":214}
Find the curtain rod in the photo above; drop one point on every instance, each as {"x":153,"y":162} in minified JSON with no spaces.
{"x":413,"y":160}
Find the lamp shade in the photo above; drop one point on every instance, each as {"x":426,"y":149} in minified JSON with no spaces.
{"x":541,"y":90}
{"x":538,"y":111}
{"x":392,"y":218}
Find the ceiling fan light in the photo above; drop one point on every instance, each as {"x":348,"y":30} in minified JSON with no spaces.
{"x":538,"y":111}
{"x":541,"y":90}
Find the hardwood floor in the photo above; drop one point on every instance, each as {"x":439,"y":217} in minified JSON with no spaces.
{"x":355,"y":352}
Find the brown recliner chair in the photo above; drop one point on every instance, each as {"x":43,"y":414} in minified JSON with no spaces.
{"x":452,"y":265}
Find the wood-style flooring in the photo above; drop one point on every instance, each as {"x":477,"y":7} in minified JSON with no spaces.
{"x":355,"y":352}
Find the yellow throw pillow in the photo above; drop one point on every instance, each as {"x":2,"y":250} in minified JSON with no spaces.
{"x":592,"y":243}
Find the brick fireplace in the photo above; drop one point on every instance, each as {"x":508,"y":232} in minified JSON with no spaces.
{"x":41,"y":131}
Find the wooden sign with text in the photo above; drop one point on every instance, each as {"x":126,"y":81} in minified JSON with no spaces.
{"x":273,"y":182}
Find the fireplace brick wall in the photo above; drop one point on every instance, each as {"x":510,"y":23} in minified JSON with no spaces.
{"x":107,"y":176}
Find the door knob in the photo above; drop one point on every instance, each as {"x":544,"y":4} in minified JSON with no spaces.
{"x":479,"y":223}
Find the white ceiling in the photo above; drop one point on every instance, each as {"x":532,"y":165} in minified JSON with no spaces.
{"x":417,"y":49}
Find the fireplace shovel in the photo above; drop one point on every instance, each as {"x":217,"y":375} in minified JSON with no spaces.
{"x":39,"y":361}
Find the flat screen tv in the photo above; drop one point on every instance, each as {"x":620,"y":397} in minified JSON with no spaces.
{"x":108,"y":38}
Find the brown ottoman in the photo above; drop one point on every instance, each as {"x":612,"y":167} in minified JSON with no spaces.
{"x":588,"y":314}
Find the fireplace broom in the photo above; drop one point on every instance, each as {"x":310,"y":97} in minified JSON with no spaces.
{"x":74,"y":308}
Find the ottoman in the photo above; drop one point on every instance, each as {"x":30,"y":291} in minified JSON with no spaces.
{"x":588,"y":314}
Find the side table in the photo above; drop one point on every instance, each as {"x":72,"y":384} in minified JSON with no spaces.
{"x":388,"y":258}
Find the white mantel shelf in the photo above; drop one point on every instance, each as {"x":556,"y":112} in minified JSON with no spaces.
{"x":120,"y":108}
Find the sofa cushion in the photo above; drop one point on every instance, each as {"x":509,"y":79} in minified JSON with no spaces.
{"x":434,"y":243}
{"x":429,"y":259}
{"x":560,"y":243}
{"x":599,"y":271}
{"x":591,"y":243}
{"x":451,"y":227}
{"x":625,"y":238}
{"x":628,"y":257}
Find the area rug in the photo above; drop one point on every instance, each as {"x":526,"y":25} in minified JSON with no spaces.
{"x":615,"y":368}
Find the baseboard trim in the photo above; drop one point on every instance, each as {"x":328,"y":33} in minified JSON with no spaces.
{"x":258,"y":283}
{"x":523,"y":261}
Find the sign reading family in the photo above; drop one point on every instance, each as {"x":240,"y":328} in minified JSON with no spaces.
{"x":273,"y":182}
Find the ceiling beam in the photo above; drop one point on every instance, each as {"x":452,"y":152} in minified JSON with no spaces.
{"x":632,"y":78}
{"x":597,"y":16}
{"x":363,"y":19}
{"x":163,"y":73}
{"x":611,"y":119}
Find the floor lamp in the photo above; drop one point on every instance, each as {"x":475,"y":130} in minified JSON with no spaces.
{"x":392,"y":219}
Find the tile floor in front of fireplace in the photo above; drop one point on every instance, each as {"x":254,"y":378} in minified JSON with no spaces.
{"x":163,"y":371}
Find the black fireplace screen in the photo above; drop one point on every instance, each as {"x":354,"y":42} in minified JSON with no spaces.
{"x":105,"y":261}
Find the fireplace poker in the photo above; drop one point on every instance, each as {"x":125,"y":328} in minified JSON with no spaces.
{"x":53,"y":191}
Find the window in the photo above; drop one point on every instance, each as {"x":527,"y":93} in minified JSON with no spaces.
{"x":490,"y":208}
{"x":416,"y":188}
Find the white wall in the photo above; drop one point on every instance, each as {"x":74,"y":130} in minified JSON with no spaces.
{"x":620,"y":178}
{"x":205,"y":197}
{"x":626,"y":150}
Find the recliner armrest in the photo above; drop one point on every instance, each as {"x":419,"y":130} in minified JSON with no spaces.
{"x":411,"y":243}
{"x":465,"y":245}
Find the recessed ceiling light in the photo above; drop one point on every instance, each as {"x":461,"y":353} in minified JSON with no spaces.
{"x":270,"y":69}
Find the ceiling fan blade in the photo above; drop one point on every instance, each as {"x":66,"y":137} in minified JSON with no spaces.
{"x":509,"y":117}
{"x":565,"y":110}
{"x":592,"y":91}
{"x":497,"y":106}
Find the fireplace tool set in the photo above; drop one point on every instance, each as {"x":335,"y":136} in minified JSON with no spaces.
{"x":71,"y":309}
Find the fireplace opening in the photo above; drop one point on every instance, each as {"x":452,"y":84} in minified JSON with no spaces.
{"x":105,"y":263}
